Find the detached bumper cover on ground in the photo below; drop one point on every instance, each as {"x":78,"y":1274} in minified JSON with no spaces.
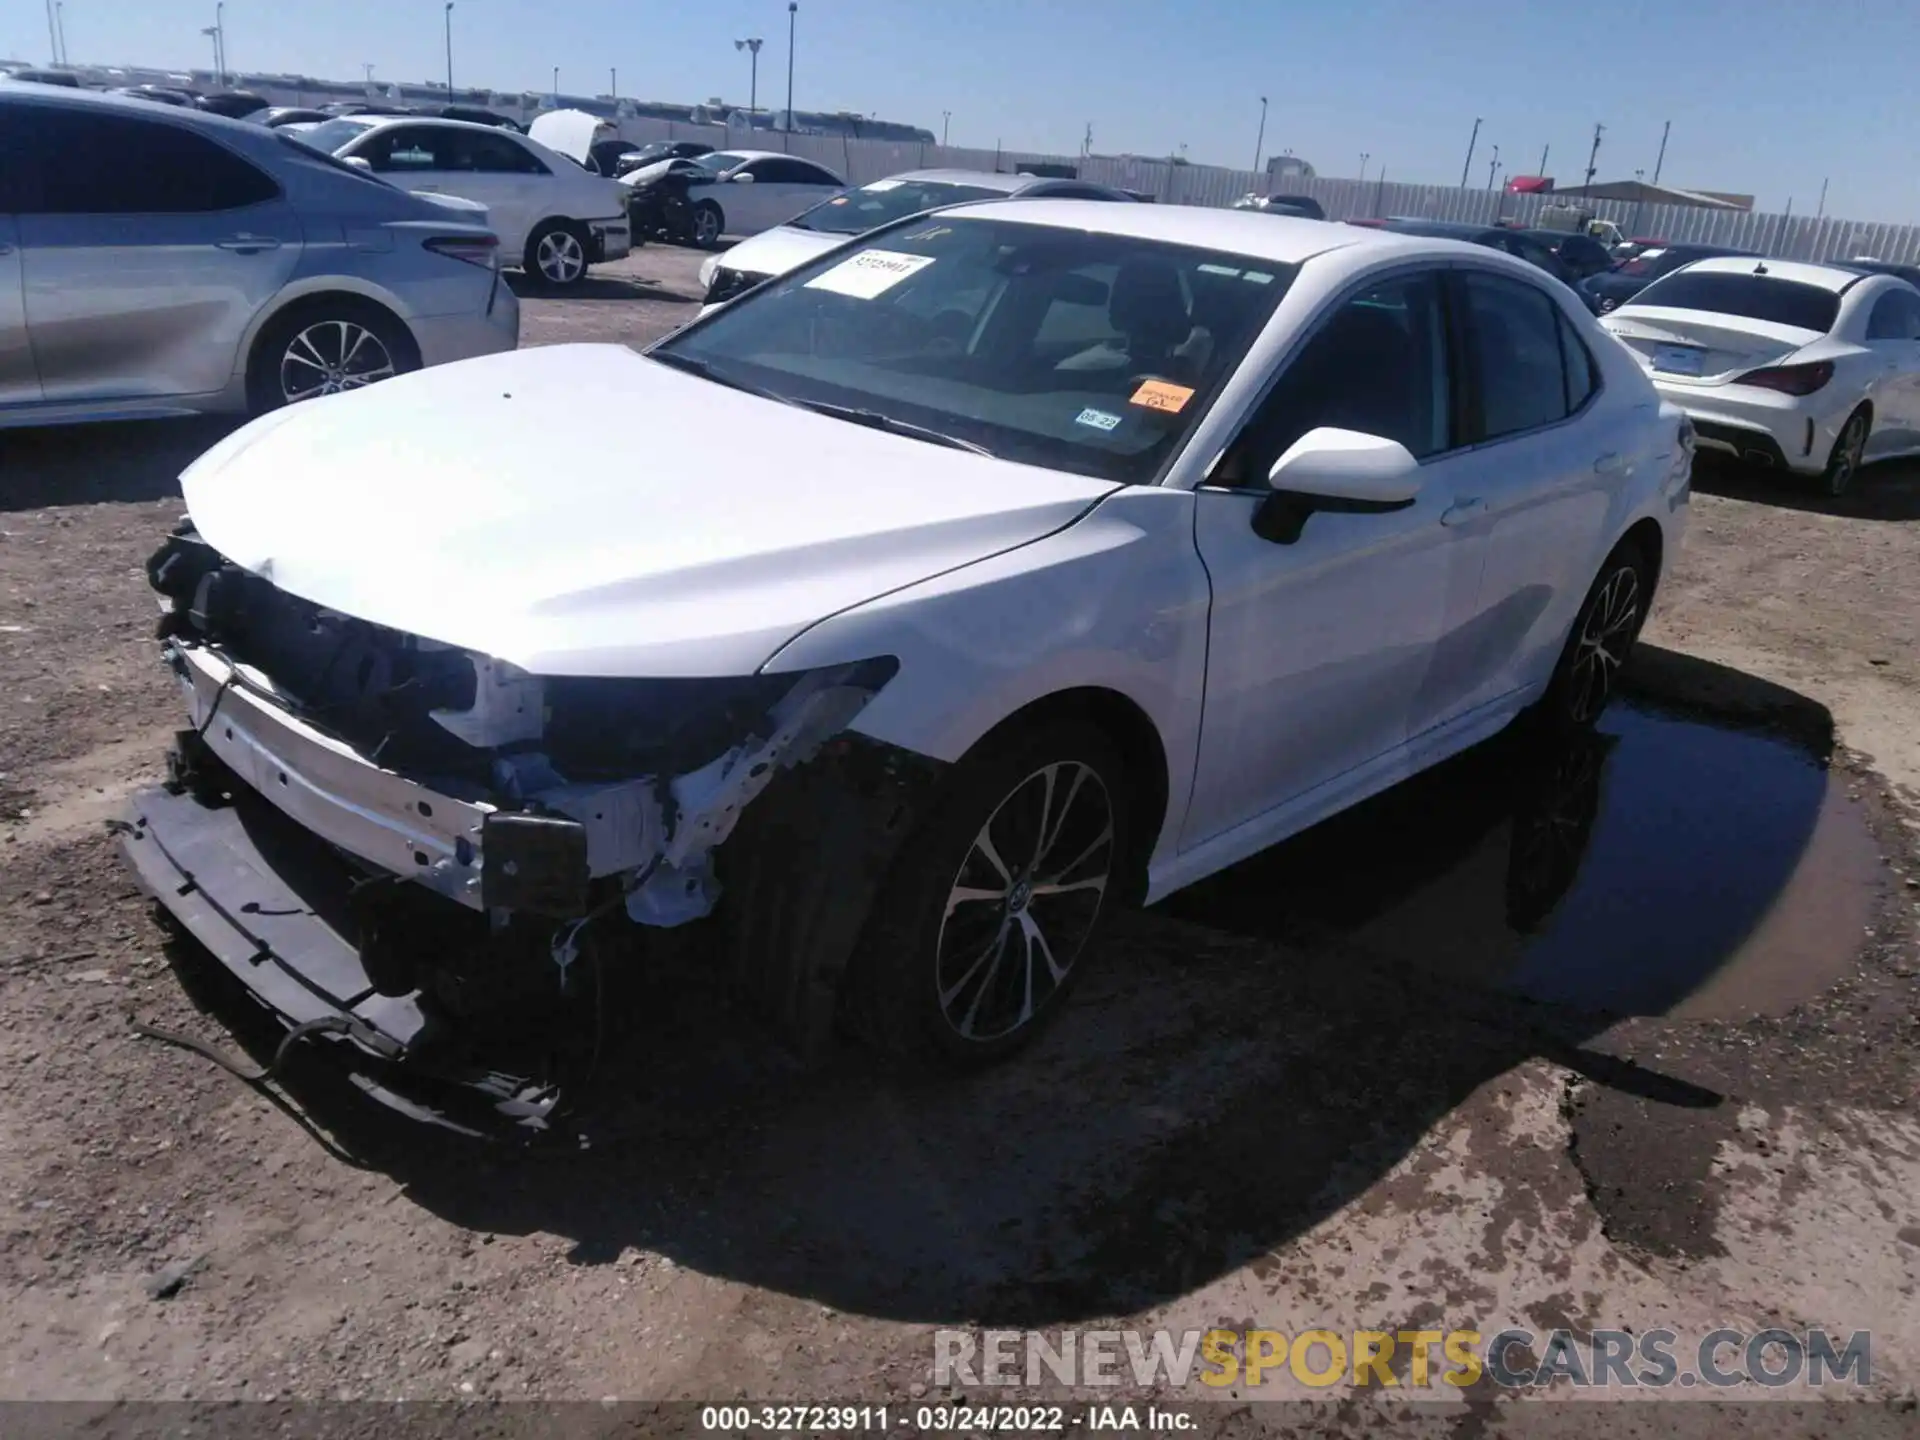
{"x":257,"y":894}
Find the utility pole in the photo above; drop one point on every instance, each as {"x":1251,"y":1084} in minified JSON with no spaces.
{"x":613,"y":83}
{"x":1472,"y":140}
{"x":1593,"y":155}
{"x":60,"y":27}
{"x":1817,"y":214}
{"x":793,"y":14}
{"x":1364,"y":157}
{"x":367,"y":65}
{"x":1493,"y":167}
{"x":556,"y":87}
{"x":946,"y":119}
{"x":53,"y":35}
{"x":1665,"y":130}
{"x":449,"y":19}
{"x":1260,"y":139}
{"x":1542,"y":171}
{"x":752,"y":46}
{"x":220,"y":37}
{"x":1086,"y":142}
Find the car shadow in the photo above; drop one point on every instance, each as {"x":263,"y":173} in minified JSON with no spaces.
{"x":135,"y":460}
{"x":601,"y":287}
{"x":1884,"y":490}
{"x":1242,"y":1062}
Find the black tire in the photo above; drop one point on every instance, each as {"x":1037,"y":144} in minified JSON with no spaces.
{"x":1601,"y":640}
{"x":953,"y":985}
{"x":293,"y":356}
{"x":1843,"y":464}
{"x":557,"y":255}
{"x":709,"y":224}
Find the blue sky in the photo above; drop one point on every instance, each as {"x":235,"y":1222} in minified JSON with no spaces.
{"x":1766,"y":96}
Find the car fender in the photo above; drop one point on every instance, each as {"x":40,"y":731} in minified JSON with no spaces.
{"x":1116,"y":601}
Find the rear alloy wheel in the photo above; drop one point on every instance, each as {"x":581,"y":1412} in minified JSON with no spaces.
{"x":557,"y":255}
{"x":1844,"y":464}
{"x":326,"y":347}
{"x":984,"y":922}
{"x":329,"y":357}
{"x":1602,"y":639}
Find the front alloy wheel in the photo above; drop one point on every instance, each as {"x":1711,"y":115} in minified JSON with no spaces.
{"x":1024,"y":901}
{"x":332,"y":356}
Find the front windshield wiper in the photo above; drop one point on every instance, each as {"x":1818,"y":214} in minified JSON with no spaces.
{"x":704,"y":369}
{"x":875,"y":420}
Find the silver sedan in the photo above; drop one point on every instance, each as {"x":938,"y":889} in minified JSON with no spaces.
{"x":166,"y":262}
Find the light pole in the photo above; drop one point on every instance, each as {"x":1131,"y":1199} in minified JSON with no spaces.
{"x":448,"y":14}
{"x":1661,"y":158}
{"x":53,"y":35}
{"x":367,"y":65}
{"x":213,"y":34}
{"x":1260,"y":138}
{"x":1493,"y":166}
{"x":793,"y":13}
{"x":60,"y":28}
{"x":1365,"y":155}
{"x":1472,"y":140}
{"x":556,"y":87}
{"x":946,"y":119}
{"x":752,"y":46}
{"x":613,"y":83}
{"x":220,"y":38}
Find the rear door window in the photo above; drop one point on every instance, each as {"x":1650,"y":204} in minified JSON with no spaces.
{"x":100,"y":164}
{"x":1515,"y":342}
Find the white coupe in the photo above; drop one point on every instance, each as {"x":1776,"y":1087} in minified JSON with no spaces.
{"x":1011,"y":565}
{"x":1812,"y":369}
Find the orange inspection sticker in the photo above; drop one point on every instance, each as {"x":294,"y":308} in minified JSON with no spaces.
{"x":1162,"y":395}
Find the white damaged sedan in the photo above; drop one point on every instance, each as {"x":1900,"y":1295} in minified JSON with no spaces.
{"x":1013,"y":565}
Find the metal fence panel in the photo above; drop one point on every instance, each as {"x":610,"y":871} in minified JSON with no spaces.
{"x":861,"y":161}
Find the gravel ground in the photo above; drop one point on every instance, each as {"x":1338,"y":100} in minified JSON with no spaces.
{"x":1259,"y":1112}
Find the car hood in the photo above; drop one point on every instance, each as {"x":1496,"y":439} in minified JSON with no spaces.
{"x":647,"y":174}
{"x":571,"y":132}
{"x":583,"y":510}
{"x":776,"y":251}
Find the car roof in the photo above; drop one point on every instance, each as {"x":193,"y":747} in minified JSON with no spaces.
{"x":1827,"y":277}
{"x":381,"y":122}
{"x":746,"y":155}
{"x":130,"y":105}
{"x":1441,"y":229}
{"x":979,"y":179}
{"x":1283,"y":239}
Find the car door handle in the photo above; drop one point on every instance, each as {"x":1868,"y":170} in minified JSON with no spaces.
{"x":1462,"y":511}
{"x":1610,"y":463}
{"x":248,"y":244}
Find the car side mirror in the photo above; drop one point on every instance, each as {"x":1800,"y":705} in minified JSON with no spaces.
{"x":1342,"y":471}
{"x":741,"y":179}
{"x":358,"y":163}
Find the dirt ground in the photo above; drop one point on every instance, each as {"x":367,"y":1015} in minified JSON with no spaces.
{"x":1264,"y":1109}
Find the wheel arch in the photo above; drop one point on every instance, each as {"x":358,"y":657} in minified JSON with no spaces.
{"x":1121,"y":720}
{"x":322,"y":290}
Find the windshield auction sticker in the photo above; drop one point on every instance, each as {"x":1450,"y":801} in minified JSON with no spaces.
{"x":1162,"y":395}
{"x":870,"y":273}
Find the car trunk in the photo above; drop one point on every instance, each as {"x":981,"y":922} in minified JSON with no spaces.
{"x":1698,"y":346}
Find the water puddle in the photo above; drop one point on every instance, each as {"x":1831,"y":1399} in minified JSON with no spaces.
{"x":1665,"y":865}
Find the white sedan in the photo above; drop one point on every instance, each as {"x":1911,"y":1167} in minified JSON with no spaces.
{"x":552,"y":214}
{"x":1812,"y":369}
{"x":1003,"y":568}
{"x":742,"y":192}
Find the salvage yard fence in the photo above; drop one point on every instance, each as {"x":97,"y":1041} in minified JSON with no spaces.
{"x":1783,"y":236}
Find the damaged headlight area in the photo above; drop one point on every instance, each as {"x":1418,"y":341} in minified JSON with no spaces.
{"x":477,"y":818}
